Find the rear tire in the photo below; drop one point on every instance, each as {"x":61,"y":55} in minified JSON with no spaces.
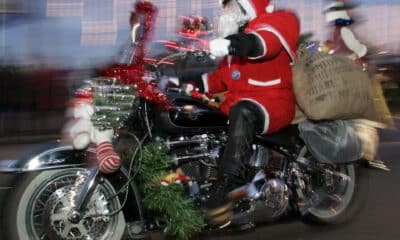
{"x":353,"y":201}
{"x":20,"y":217}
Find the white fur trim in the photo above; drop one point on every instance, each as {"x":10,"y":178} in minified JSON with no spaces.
{"x":83,"y":110}
{"x":79,"y":133}
{"x":264,"y":45}
{"x":264,"y":84}
{"x":219,"y":47}
{"x":352,"y":42}
{"x":81,"y":140}
{"x":270,"y":8}
{"x":248,"y":6}
{"x":204,"y":78}
{"x":82,"y":125}
{"x":362,"y":51}
{"x":333,"y":5}
{"x":281,"y":39}
{"x":98,"y":136}
{"x":332,"y":16}
{"x":264,"y":110}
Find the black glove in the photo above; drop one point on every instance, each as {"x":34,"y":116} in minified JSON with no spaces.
{"x":245,"y":45}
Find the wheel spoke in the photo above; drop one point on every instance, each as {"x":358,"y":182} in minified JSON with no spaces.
{"x":339,"y":189}
{"x":336,"y":198}
{"x":49,"y":210}
{"x":41,"y":203}
{"x":43,"y":236}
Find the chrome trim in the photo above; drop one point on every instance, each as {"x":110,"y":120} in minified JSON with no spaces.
{"x":33,"y":163}
{"x":24,"y":170}
{"x":379,"y":165}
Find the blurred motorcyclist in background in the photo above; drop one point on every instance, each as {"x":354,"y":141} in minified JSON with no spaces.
{"x":342,"y":39}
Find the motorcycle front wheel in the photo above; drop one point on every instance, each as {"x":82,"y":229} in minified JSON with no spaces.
{"x":40,"y":205}
{"x":343,"y":198}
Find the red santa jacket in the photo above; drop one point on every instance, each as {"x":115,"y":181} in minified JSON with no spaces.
{"x":267,"y":79}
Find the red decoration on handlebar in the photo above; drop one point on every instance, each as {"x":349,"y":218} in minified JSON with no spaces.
{"x":134,"y":74}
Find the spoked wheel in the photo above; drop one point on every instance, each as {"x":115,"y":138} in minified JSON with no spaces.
{"x":41,"y":206}
{"x":342,"y":192}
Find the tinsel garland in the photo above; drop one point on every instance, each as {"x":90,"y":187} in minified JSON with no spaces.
{"x":134,"y":74}
{"x":171,"y":202}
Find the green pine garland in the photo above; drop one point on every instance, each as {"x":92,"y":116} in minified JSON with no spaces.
{"x":182,"y":216}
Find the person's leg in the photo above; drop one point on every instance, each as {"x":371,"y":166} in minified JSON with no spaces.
{"x":245,"y":120}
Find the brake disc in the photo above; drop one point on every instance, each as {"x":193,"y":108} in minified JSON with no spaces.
{"x":93,"y":222}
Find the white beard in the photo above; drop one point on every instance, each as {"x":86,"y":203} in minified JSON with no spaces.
{"x":227,"y":26}
{"x":231,"y":20}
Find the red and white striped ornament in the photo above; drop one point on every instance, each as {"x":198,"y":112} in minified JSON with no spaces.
{"x":108,"y":160}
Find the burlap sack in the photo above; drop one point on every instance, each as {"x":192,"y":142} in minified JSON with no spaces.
{"x":367,"y":132}
{"x":299,"y":116}
{"x":380,"y":112}
{"x":331,"y":87}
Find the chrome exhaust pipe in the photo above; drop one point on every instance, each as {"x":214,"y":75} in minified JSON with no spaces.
{"x":178,"y":161}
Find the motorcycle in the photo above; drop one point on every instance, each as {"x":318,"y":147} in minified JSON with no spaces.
{"x":59,"y":195}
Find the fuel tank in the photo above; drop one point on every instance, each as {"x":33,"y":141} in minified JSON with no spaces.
{"x":189,"y":116}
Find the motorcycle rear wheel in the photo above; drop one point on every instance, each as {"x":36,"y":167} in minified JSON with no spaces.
{"x":39,"y":206}
{"x":352,"y":198}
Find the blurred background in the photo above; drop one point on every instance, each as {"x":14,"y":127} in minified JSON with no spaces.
{"x":48,"y":47}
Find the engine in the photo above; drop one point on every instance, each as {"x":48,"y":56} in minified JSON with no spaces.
{"x":197,"y":155}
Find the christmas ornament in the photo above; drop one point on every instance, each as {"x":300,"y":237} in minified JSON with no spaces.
{"x":171,"y":201}
{"x":108,"y":160}
{"x":78,"y":129}
{"x":174,"y":177}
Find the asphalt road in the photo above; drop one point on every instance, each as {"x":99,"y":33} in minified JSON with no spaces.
{"x":378,"y":220}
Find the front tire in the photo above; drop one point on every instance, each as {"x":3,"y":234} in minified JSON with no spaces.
{"x":38,"y":209}
{"x":354,"y":197}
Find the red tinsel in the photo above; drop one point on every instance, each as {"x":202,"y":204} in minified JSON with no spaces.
{"x":86,"y":95}
{"x":196,"y":94}
{"x":144,"y":14}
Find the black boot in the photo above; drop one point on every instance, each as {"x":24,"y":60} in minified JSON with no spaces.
{"x":245,"y":120}
{"x":218,"y":204}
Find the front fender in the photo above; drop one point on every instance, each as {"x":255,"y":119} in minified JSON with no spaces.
{"x":56,"y":155}
{"x":52,"y":155}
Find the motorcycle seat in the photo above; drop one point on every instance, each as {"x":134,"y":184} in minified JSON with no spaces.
{"x":287,"y":138}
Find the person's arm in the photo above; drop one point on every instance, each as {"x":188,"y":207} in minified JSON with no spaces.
{"x":240,"y":44}
{"x":352,"y":42}
{"x":276,"y":33}
{"x":209,"y":82}
{"x":245,"y":45}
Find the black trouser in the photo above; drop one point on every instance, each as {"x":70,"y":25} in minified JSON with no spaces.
{"x":245,"y":120}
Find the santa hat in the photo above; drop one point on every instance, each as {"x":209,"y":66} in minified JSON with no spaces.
{"x":337,"y":10}
{"x":254,"y":8}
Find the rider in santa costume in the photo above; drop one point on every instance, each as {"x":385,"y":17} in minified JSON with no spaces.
{"x":258,"y":46}
{"x":258,"y":66}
